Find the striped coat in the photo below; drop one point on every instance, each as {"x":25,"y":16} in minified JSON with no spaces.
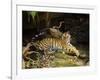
{"x":53,"y":44}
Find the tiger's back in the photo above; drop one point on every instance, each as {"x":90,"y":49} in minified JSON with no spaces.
{"x":53,"y":44}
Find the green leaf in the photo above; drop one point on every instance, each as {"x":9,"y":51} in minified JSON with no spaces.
{"x":32,"y":13}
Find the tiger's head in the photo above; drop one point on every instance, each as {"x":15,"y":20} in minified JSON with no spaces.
{"x":72,"y":50}
{"x":67,"y":37}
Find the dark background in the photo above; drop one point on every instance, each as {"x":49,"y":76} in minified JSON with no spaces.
{"x":77,"y":24}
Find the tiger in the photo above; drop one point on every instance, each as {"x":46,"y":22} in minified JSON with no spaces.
{"x":54,"y":44}
{"x":51,"y":45}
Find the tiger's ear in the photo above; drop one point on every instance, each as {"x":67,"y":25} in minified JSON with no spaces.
{"x":68,"y":32}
